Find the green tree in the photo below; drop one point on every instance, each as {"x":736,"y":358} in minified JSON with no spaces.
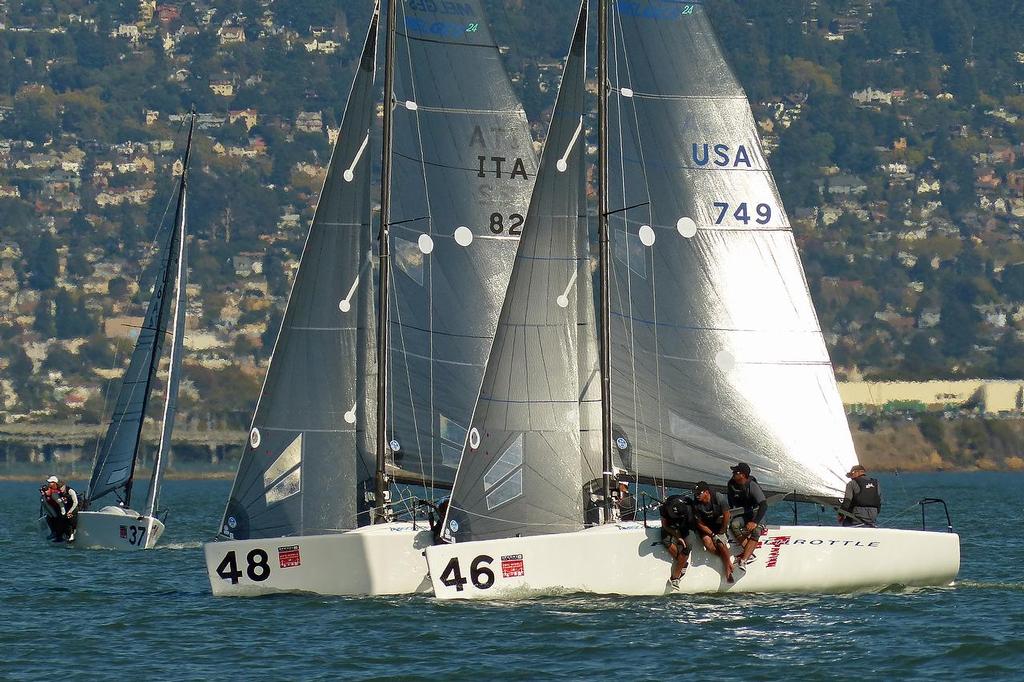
{"x":44,"y":265}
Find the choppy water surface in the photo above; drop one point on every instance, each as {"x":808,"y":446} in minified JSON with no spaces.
{"x":149,"y":615}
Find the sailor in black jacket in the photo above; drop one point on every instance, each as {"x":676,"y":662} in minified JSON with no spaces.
{"x":745,"y":493}
{"x":862,"y":501}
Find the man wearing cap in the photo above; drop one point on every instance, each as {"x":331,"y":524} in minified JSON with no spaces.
{"x":625,"y":502}
{"x":745,"y":493}
{"x":50,"y":506}
{"x":60,"y":504}
{"x":862,"y":501}
{"x":711,"y":511}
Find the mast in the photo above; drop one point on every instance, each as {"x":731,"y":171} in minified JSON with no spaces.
{"x":602,"y":236}
{"x":177,"y":330}
{"x":383,"y":319}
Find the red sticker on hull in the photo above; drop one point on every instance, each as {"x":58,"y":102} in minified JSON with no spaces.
{"x":289,"y":556}
{"x":512,"y":566}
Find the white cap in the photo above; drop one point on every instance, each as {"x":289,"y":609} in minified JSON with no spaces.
{"x":52,"y":479}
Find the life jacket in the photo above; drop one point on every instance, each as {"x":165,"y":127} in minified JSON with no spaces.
{"x":711,"y":513}
{"x":866,"y":493}
{"x":739,"y":495}
{"x":677,"y":511}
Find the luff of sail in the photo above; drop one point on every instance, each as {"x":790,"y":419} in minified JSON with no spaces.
{"x":115,"y":462}
{"x":521,"y":471}
{"x":177,"y":333}
{"x":717,"y":355}
{"x":305,"y":470}
{"x":463,"y":172}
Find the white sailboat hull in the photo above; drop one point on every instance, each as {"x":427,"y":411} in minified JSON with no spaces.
{"x":112,"y":528}
{"x":630,"y":560}
{"x":385,"y":558}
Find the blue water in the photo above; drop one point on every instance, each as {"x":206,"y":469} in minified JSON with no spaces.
{"x":149,"y":615}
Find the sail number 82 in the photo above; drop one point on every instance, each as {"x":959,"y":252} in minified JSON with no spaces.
{"x":479,"y":573}
{"x":257,"y":567}
{"x":742,"y":213}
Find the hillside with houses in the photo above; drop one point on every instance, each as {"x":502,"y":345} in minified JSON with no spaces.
{"x":895,"y":129}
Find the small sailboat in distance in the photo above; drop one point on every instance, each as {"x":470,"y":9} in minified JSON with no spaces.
{"x":710,"y":350}
{"x":119,"y":526}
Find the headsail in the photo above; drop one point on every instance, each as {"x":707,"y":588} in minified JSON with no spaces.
{"x":463,"y":172}
{"x":305,"y":469}
{"x":177,"y":332}
{"x":717,"y":354}
{"x":115,"y":462}
{"x":523,"y":469}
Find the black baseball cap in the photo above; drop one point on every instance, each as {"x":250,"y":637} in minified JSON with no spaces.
{"x":742,"y":468}
{"x":700,"y":487}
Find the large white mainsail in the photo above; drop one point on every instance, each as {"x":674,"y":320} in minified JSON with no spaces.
{"x":716,"y":356}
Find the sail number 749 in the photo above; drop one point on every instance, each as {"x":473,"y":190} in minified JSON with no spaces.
{"x":479,"y":573}
{"x":257,"y":567}
{"x":741,"y":212}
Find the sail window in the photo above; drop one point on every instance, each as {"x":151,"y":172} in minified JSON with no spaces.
{"x":630,"y":252}
{"x":463,"y":236}
{"x":507,"y":491}
{"x":687,"y":227}
{"x":451,"y":431}
{"x":510,"y":460}
{"x":450,"y":456}
{"x":283,"y":478}
{"x":286,"y":487}
{"x":646,"y":235}
{"x":408,"y":258}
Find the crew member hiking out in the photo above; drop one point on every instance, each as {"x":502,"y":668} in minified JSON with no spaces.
{"x":677,"y":520}
{"x":862,"y":500}
{"x":60,"y":505}
{"x":745,"y":493}
{"x":711,"y":510}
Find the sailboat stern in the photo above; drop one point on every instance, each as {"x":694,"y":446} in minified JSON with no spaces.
{"x":629,"y":559}
{"x":112,"y":528}
{"x":381,"y":559}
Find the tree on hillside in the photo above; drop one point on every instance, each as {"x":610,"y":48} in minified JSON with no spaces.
{"x":43,"y":265}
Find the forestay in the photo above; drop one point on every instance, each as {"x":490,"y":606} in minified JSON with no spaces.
{"x":304,"y":471}
{"x":464,"y":168}
{"x":115,"y":461}
{"x":717,"y":354}
{"x":524,"y":469}
{"x":177,"y":333}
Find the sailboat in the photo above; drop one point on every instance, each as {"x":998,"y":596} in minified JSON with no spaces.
{"x":119,"y":526}
{"x":710,"y":351}
{"x":359,"y":398}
